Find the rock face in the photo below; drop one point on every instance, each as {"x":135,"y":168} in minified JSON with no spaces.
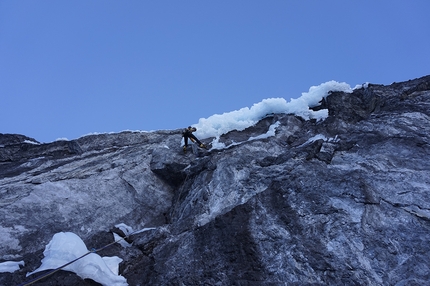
{"x":344,"y":201}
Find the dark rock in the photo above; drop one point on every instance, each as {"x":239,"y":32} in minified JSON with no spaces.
{"x":167,"y":167}
{"x":13,"y":139}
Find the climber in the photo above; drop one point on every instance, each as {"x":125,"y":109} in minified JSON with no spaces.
{"x":188,"y":133}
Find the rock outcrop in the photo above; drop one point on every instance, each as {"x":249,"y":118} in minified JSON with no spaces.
{"x":343,"y":201}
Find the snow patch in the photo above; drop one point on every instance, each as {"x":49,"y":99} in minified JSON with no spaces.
{"x":10,"y":266}
{"x":269,"y":133}
{"x":216,"y":145}
{"x":66,"y":247}
{"x":313,"y":139}
{"x":218,"y":124}
{"x":127,"y":230}
{"x":31,"y":142}
{"x":120,"y":240}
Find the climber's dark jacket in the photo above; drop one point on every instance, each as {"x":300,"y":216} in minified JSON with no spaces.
{"x":188,"y":133}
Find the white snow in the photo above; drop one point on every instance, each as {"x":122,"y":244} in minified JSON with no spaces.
{"x":313,"y":139}
{"x":120,"y":240}
{"x":127,"y":230}
{"x":10,"y":266}
{"x":219,"y":124}
{"x":31,"y":142}
{"x":271,"y":132}
{"x":67,"y":246}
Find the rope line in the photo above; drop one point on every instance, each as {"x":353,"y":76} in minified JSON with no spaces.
{"x":38,"y":278}
{"x":52,"y":271}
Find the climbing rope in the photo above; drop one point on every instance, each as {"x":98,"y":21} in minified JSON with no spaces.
{"x":38,"y":278}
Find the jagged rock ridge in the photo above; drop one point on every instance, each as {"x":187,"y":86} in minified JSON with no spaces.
{"x":344,"y":201}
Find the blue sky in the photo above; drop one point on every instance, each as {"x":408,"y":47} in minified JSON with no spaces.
{"x":69,"y":68}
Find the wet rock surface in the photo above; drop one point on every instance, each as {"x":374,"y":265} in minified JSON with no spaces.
{"x":344,"y":201}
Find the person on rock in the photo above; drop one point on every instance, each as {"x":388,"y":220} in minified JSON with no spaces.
{"x":188,"y":133}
